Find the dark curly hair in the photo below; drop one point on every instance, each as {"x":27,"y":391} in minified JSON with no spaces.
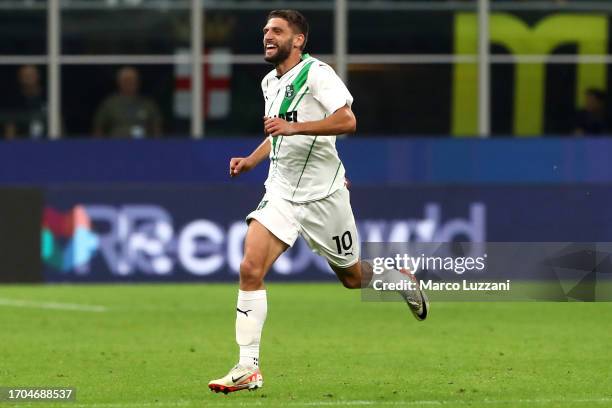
{"x":296,"y":21}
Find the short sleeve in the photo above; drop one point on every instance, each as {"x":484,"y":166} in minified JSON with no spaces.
{"x":328,"y":89}
{"x":264,"y":85}
{"x":264,"y":90}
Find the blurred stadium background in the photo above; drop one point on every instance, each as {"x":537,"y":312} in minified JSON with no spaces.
{"x":412,"y":65}
{"x":477,"y":121}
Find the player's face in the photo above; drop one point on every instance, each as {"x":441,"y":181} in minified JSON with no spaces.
{"x":277,"y":40}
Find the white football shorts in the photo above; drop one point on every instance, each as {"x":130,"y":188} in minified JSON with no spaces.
{"x":327,"y":225}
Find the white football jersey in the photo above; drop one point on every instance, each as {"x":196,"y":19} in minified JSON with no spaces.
{"x":304,"y":168}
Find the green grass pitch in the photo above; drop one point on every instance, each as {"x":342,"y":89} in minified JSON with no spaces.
{"x":159,"y":345}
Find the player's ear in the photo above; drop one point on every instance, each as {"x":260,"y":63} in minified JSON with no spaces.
{"x":298,"y":41}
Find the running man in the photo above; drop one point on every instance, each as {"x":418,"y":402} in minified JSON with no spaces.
{"x":306,"y":106}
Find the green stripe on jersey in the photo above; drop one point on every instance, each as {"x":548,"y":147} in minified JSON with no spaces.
{"x":268,"y":114}
{"x":274,"y":139}
{"x":272,"y":104}
{"x":304,"y":168}
{"x":335,"y":175}
{"x":273,"y":147}
{"x":282,"y":137}
{"x":300,"y":98}
{"x":297,"y":85}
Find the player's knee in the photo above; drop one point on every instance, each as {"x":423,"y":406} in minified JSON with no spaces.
{"x":250,"y":272}
{"x":351,"y":282}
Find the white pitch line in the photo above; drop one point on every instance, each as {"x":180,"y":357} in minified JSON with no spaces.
{"x":52,"y":305}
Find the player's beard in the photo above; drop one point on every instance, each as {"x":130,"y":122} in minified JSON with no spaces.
{"x":283,"y":51}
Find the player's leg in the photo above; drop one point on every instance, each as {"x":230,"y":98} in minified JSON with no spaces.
{"x":329,"y":228}
{"x":261,"y":248}
{"x":360,"y":275}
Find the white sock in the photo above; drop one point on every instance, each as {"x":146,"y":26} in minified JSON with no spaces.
{"x":251,"y":313}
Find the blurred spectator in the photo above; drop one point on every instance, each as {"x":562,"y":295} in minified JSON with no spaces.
{"x":592,"y":119}
{"x":27,"y":117}
{"x":127,"y":113}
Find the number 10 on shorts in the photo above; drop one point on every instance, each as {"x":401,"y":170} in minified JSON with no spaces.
{"x":344,"y":242}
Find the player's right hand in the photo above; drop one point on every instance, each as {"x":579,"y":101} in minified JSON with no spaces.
{"x":239,"y":165}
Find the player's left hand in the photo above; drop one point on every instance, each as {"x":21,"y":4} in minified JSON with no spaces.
{"x":278,"y":126}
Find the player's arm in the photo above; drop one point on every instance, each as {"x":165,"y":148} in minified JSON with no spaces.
{"x":340,"y":122}
{"x":239,"y":165}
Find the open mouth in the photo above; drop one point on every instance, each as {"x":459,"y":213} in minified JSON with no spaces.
{"x":270,"y":48}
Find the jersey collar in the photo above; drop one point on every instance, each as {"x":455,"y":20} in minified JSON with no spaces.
{"x":303,"y":58}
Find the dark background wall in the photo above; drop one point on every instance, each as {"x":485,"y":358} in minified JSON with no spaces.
{"x":20,"y":221}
